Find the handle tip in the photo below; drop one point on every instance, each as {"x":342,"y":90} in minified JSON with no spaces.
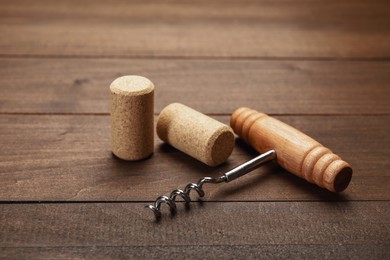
{"x":337,"y":176}
{"x":242,"y":120}
{"x":326,"y":169}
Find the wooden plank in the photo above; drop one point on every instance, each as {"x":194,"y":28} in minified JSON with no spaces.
{"x":200,"y":252}
{"x":67,"y":157}
{"x":235,"y":28}
{"x":323,"y":224}
{"x":211,"y":86}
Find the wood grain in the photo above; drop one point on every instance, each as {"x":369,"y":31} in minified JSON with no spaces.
{"x":68,"y":157}
{"x":323,"y":224}
{"x":235,"y":28}
{"x":210,"y":86}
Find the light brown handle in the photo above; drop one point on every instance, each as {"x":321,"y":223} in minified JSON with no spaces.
{"x":295,"y":151}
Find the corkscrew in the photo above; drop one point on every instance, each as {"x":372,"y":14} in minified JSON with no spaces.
{"x":292,"y":149}
{"x":229,"y":176}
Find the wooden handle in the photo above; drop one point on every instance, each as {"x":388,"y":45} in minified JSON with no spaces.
{"x":295,"y":151}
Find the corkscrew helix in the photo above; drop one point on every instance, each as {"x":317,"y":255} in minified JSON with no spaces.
{"x":233,"y":174}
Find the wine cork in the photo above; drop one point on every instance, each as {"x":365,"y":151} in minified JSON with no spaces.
{"x":195,"y":134}
{"x":132,"y":108}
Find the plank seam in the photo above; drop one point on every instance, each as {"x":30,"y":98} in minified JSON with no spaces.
{"x":178,"y":57}
{"x":181,"y":202}
{"x":209,"y":114}
{"x":199,"y":245}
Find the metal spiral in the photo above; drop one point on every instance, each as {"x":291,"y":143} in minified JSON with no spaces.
{"x":185,"y":194}
{"x":233,"y":174}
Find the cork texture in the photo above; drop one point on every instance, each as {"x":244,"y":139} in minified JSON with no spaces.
{"x":195,"y":134}
{"x":132,"y":108}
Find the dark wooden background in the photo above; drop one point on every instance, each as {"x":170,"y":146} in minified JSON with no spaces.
{"x":321,"y":66}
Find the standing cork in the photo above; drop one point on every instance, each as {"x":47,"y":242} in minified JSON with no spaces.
{"x":195,"y":134}
{"x":132,"y":108}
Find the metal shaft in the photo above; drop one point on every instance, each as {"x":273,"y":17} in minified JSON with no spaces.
{"x":249,"y":166}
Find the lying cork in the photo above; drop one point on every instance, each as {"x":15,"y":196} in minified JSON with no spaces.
{"x":132,"y":108}
{"x":195,"y":134}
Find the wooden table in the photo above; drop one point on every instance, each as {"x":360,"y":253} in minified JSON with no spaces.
{"x":321,"y":66}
